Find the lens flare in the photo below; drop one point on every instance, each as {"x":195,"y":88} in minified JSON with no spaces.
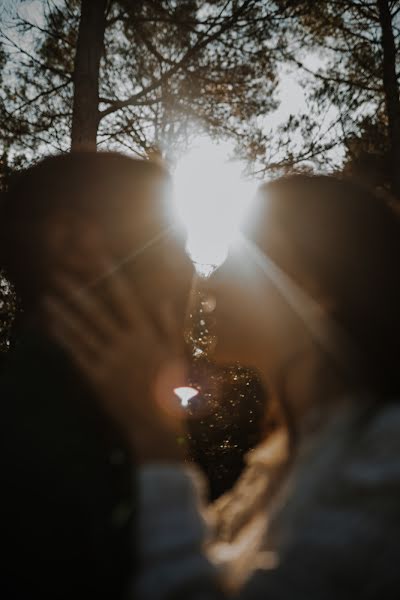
{"x":185,"y":394}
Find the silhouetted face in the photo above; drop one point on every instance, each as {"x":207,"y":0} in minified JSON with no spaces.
{"x":245,"y":303}
{"x":255,"y":324}
{"x":151,"y":250}
{"x":138,"y":234}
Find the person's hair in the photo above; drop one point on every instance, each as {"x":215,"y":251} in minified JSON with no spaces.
{"x":340,"y":243}
{"x":80,"y":183}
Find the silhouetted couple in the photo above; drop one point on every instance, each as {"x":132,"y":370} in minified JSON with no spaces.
{"x":96,"y":498}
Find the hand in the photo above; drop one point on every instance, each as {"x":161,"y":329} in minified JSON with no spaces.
{"x":132,"y":364}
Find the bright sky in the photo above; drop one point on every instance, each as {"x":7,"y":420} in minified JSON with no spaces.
{"x":211,"y":194}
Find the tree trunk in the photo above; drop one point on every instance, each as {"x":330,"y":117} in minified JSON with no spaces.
{"x":85,"y":112}
{"x":391,"y":90}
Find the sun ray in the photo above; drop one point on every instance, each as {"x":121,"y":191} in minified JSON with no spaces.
{"x":326,"y":332}
{"x":128,"y":259}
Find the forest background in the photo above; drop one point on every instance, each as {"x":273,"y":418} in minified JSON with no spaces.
{"x":291,"y":85}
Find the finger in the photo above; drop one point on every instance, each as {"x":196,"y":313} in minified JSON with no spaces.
{"x":89,"y":309}
{"x":119,"y":291}
{"x":69,"y":326}
{"x":80,"y":357}
{"x":127,"y":303}
{"x":124,"y":299}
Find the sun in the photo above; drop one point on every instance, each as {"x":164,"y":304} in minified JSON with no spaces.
{"x":210,"y":199}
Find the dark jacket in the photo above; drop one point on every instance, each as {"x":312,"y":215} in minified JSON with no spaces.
{"x":66,"y":483}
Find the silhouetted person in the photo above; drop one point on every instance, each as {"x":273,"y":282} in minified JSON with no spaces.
{"x":67,"y":485}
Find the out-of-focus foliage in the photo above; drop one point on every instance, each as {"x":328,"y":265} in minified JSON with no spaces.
{"x":8,"y":308}
{"x":367,"y":156}
{"x":227,"y":421}
{"x":226,"y":418}
{"x":8,"y":300}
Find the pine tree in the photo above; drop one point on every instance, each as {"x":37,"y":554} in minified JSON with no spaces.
{"x":356,"y":44}
{"x":167,"y":71}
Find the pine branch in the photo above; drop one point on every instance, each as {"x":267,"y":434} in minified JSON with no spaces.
{"x":178,"y":65}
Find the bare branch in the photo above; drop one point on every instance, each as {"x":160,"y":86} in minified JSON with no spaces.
{"x":335,"y":79}
{"x":64,"y":74}
{"x":40,"y":95}
{"x":178,"y":65}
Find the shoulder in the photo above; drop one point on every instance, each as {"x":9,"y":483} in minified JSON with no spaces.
{"x":354,"y":494}
{"x":374,"y":458}
{"x":345,"y":492}
{"x":342,"y":518}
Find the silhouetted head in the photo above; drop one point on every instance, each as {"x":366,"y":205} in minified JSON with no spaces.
{"x":319,"y":259}
{"x":56,"y":212}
